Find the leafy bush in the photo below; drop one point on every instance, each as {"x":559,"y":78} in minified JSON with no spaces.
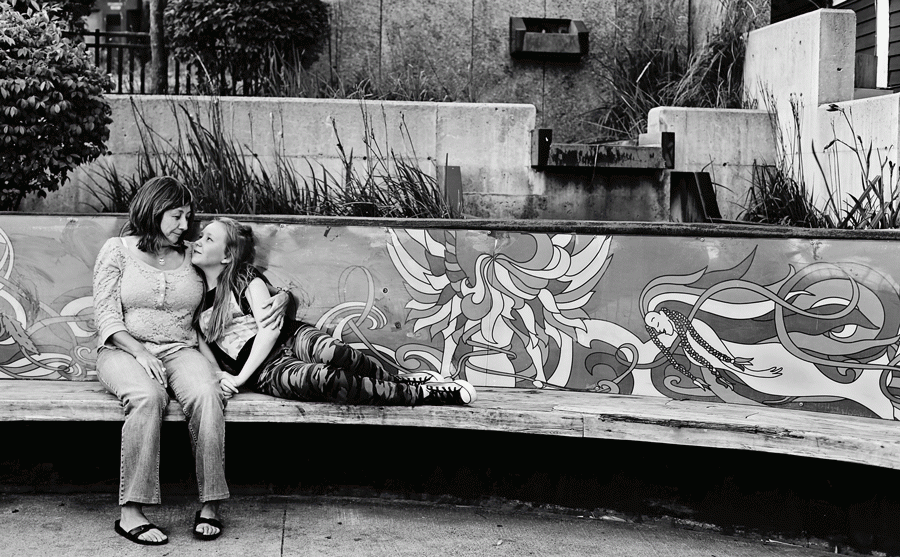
{"x":53,"y":116}
{"x":238,"y":36}
{"x":68,"y":12}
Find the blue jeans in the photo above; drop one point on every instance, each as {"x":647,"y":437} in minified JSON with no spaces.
{"x":193,"y":382}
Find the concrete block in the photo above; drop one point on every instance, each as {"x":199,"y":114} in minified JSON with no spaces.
{"x":837,"y":55}
{"x":873,"y":121}
{"x":811,"y":55}
{"x":490,"y":143}
{"x":309,"y":125}
{"x":641,"y":197}
{"x":503,"y":206}
{"x":725,"y":143}
{"x":797,"y":65}
{"x":609,"y":197}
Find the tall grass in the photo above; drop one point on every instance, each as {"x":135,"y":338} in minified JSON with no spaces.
{"x":227,"y":177}
{"x":779,"y":193}
{"x":877,"y":206}
{"x":281,"y":76}
{"x":654,"y":68}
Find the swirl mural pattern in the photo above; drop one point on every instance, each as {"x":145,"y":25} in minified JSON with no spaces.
{"x":799,"y":324}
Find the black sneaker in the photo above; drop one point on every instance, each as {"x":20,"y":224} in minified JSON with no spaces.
{"x":449,"y":392}
{"x":418,"y":377}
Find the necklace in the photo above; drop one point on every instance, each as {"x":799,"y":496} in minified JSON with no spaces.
{"x":161,"y":259}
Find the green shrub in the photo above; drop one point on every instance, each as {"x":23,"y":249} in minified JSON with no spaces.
{"x":236,"y":37}
{"x":53,"y":116}
{"x":70,"y":12}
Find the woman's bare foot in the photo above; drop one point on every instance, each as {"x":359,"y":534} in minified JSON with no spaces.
{"x":210,"y":509}
{"x":132,"y":516}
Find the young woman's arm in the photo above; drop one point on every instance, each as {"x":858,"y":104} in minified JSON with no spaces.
{"x":266,"y":337}
{"x":208,"y":354}
{"x":205,"y":350}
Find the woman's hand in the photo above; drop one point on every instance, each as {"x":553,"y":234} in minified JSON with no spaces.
{"x":153,"y":366}
{"x":229,"y":384}
{"x":273,"y":310}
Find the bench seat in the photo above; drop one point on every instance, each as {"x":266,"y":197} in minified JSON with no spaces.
{"x":546,"y":412}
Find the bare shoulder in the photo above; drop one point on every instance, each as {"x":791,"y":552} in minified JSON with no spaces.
{"x":257,"y":292}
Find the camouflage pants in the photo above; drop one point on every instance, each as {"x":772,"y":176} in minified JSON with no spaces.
{"x":316,"y":367}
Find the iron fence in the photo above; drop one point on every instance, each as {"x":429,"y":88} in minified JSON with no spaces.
{"x":125,"y":57}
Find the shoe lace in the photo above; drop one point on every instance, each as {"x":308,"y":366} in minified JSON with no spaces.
{"x":448,"y":392}
{"x":414,"y":380}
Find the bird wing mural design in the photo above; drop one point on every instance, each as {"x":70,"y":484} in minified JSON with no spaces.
{"x":495,"y":301}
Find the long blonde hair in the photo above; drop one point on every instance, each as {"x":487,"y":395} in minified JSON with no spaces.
{"x":240,"y":246}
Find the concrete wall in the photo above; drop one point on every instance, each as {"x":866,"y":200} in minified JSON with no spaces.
{"x":724,"y":143}
{"x":460,"y":49}
{"x":805,"y":66}
{"x":491,"y":143}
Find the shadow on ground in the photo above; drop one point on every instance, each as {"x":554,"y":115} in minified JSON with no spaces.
{"x":845,"y":505}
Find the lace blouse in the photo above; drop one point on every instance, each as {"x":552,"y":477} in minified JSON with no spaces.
{"x":156,"y":307}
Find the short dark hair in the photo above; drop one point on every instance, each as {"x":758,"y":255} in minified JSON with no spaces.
{"x":145,"y":212}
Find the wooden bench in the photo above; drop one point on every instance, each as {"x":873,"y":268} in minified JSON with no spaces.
{"x":46,"y":261}
{"x":566,"y":414}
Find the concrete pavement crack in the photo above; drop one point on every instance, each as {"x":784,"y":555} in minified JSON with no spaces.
{"x":283,"y":523}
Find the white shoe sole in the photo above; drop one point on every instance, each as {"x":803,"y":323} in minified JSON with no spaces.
{"x":467,"y":393}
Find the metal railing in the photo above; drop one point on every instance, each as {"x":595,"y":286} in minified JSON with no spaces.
{"x":126,"y":58}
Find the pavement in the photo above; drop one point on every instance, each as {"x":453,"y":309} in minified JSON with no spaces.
{"x":81,"y":524}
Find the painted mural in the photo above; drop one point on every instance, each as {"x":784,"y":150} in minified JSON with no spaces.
{"x":802,"y":324}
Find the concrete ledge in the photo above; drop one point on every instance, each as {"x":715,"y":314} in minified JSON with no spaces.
{"x":725,"y":143}
{"x":542,"y":412}
{"x":489,"y":142}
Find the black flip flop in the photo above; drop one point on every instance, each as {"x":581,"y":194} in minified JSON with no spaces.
{"x":133,"y":534}
{"x":198,"y":520}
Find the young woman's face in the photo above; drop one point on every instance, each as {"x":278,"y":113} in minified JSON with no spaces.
{"x":174,"y":223}
{"x":209,"y":250}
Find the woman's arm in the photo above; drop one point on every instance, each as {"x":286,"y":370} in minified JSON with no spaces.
{"x":273,"y":308}
{"x":151,"y":364}
{"x":108,"y":313}
{"x":107,"y":290}
{"x":204,"y":349}
{"x":266,"y":337}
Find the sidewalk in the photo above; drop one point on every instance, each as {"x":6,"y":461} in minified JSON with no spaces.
{"x":82,"y":525}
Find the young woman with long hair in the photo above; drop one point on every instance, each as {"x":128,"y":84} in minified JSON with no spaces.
{"x":295,"y":361}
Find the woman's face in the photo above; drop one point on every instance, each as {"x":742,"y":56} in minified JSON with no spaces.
{"x":174,"y":223}
{"x":209,"y":250}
